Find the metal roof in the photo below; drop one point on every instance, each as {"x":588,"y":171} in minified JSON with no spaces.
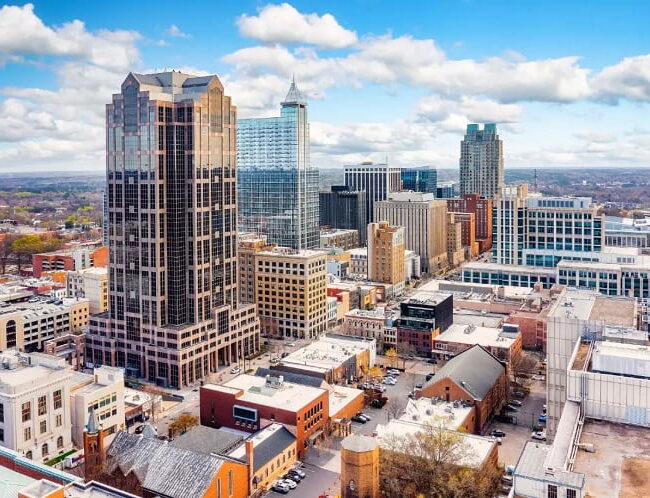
{"x":271,"y":447}
{"x":532,"y":465}
{"x":207,"y":440}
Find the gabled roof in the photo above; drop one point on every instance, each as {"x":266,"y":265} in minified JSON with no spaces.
{"x":271,"y":447}
{"x":475,"y":370}
{"x":207,"y":440}
{"x":162,"y":468}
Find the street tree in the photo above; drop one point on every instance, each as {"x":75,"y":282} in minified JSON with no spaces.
{"x":522,"y":365}
{"x":182,"y":424}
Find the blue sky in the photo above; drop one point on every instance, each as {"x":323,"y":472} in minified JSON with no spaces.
{"x":568,"y":82}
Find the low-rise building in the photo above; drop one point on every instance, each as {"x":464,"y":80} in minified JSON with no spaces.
{"x":358,"y":262}
{"x":422,"y":317}
{"x":504,"y":343}
{"x":475,"y":377}
{"x":140,"y":406}
{"x":366,"y":323}
{"x":386,"y":247}
{"x":455,"y":247}
{"x":249,"y":245}
{"x":76,"y":258}
{"x":71,"y":347}
{"x":27,"y":325}
{"x":103,"y":392}
{"x":89,"y":283}
{"x":35,"y":404}
{"x":344,"y":239}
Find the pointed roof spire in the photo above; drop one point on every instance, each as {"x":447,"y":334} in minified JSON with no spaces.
{"x":294,"y":96}
{"x":93,"y":424}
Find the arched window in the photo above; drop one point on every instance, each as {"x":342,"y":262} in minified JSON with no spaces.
{"x":59,"y":442}
{"x":45,"y":450}
{"x":28,"y":455}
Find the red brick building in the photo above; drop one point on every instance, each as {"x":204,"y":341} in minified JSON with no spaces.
{"x":473,"y":376}
{"x":468,"y":231}
{"x":250,"y":402}
{"x":77,"y":258}
{"x":482,"y":209}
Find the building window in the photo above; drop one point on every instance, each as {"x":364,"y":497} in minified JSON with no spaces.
{"x":57,"y":399}
{"x":2,"y":434}
{"x":27,"y":411}
{"x":27,"y":433}
{"x":45,"y":450}
{"x":2,"y":412}
{"x":42,"y":405}
{"x":230,"y":484}
{"x":218,"y":488}
{"x":43,"y":426}
{"x":28,"y":455}
{"x":59,"y":442}
{"x":571,"y":493}
{"x":59,"y":420}
{"x":552,"y":491}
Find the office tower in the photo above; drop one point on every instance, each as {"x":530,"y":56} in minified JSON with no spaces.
{"x":386,"y":247}
{"x":105,"y":217}
{"x":291,"y":292}
{"x":422,"y":179}
{"x":171,"y":175}
{"x":425,"y":225}
{"x":533,"y":230}
{"x":345,"y":209}
{"x":481,"y":161}
{"x":482,"y":210}
{"x":376,"y":180}
{"x":277,"y":186}
{"x":447,"y":190}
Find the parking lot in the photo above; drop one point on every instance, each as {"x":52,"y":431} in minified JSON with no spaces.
{"x":517,"y":435}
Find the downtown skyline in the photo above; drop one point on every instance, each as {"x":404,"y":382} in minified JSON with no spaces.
{"x":378,"y":86}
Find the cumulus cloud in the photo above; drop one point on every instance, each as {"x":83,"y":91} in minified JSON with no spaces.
{"x":284,"y":24}
{"x":175,"y":32}
{"x":470,"y":109}
{"x":629,"y":79}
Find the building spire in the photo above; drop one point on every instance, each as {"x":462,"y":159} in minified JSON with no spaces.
{"x":93,"y":424}
{"x":294,"y":96}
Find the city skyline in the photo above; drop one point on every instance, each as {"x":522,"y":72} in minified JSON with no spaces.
{"x":554,"y":105}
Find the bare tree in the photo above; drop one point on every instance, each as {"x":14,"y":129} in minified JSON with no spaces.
{"x":7,"y":253}
{"x":522,"y":365}
{"x":393,"y":408}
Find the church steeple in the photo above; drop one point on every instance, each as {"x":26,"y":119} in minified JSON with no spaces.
{"x":294,"y":96}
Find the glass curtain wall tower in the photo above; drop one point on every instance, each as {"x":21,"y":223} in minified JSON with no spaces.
{"x":171,"y":181}
{"x":277,"y":186}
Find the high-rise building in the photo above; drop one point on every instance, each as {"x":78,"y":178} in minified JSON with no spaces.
{"x":425,"y":225}
{"x":386,"y":248}
{"x":422,"y":179}
{"x":345,"y":209}
{"x":481,"y":161}
{"x":455,"y":251}
{"x":447,"y":190}
{"x":291,"y":292}
{"x":482,"y":210}
{"x":171,"y":174}
{"x":376,"y":180}
{"x":277,"y":186}
{"x":249,"y":245}
{"x":533,"y":230}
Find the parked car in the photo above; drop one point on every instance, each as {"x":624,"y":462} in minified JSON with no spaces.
{"x":281,"y":487}
{"x":393,"y":371}
{"x":542,"y":419}
{"x":358,"y":419}
{"x":498,"y":440}
{"x":507,"y":419}
{"x":497,"y":433}
{"x":291,"y":344}
{"x":506,"y":479}
{"x":378,"y":402}
{"x":290,"y":482}
{"x":519,"y":394}
{"x":298,"y":472}
{"x":139,"y":429}
{"x":411,"y":395}
{"x":275,"y":359}
{"x":235,"y":370}
{"x":361,"y":414}
{"x":515,"y":402}
{"x":433,"y":361}
{"x":538,"y":377}
{"x":428,"y":377}
{"x":539,"y":435}
{"x":511,"y":408}
{"x":419,"y":385}
{"x":390,"y":381}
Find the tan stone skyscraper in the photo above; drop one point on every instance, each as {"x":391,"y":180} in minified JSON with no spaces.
{"x":386,"y":254}
{"x":171,"y":184}
{"x":481,"y":161}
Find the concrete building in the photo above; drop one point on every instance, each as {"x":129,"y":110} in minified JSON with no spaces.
{"x":71,"y":347}
{"x":481,"y":161}
{"x":504,"y":343}
{"x":291,"y":292}
{"x":481,"y":208}
{"x":249,"y":245}
{"x":35,"y":405}
{"x":76,"y":258}
{"x":343,"y":208}
{"x":627,"y":232}
{"x":344,"y":239}
{"x":423,"y":317}
{"x":366,"y":323}
{"x":358,"y":262}
{"x":467,"y":233}
{"x":376,"y":180}
{"x":173,"y":234}
{"x":103,"y":392}
{"x":455,"y":247}
{"x":425,"y":225}
{"x":338,"y":263}
{"x":90,"y":283}
{"x":474,"y":376}
{"x":277,"y":186}
{"x":386,"y":246}
{"x":412,"y":265}
{"x":26,"y":326}
{"x":476,"y":272}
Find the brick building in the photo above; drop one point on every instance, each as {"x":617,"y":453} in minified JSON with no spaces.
{"x":473,"y":376}
{"x":78,"y":258}
{"x":422,"y":318}
{"x":482,"y":209}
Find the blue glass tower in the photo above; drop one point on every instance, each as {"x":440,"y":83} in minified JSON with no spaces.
{"x":277,"y":187}
{"x":423,"y":179}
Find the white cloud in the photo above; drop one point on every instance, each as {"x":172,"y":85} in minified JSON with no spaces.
{"x":595,"y":136}
{"x":629,"y":79}
{"x":284,"y":24}
{"x":175,"y":32}
{"x":436,"y":108}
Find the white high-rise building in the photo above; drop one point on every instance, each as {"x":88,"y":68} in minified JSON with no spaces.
{"x":376,"y":180}
{"x":481,"y":161}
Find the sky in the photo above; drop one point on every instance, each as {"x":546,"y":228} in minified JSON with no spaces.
{"x":567,"y":82}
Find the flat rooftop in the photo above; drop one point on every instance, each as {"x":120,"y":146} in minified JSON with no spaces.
{"x":479,"y":319}
{"x":340,"y":397}
{"x":378,"y":313}
{"x":254,"y":390}
{"x":620,"y":465}
{"x":285,"y":252}
{"x":531,"y":270}
{"x":326,"y":353}
{"x":40,"y":306}
{"x":427,"y":297}
{"x":359,"y":251}
{"x":19,"y":371}
{"x":470,"y":291}
{"x":589,"y":305}
{"x":471,"y":334}
{"x":445,"y":414}
{"x":532,"y":465}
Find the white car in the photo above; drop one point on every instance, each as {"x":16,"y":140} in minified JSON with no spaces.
{"x":539,"y":435}
{"x":538,"y":377}
{"x":235,"y":370}
{"x":390,"y":381}
{"x":393,"y":371}
{"x":290,"y":483}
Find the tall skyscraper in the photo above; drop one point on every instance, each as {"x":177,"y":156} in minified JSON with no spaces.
{"x":277,"y":186}
{"x":376,"y":180}
{"x":345,"y":209}
{"x":481,"y":161}
{"x":422,"y":179}
{"x":171,"y":178}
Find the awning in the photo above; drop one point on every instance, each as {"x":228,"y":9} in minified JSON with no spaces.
{"x":315,"y":435}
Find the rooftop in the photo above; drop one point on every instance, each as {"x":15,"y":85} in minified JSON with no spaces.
{"x":22,"y":371}
{"x":207,"y":440}
{"x":445,"y":414}
{"x":472,"y":334}
{"x":430,"y":298}
{"x":327,"y":352}
{"x":359,"y":443}
{"x":589,"y":305}
{"x":40,"y":306}
{"x":286,"y":395}
{"x":378,"y":313}
{"x":287,"y":252}
{"x":340,"y":397}
{"x":268,"y":443}
{"x":532,"y":465}
{"x":466,"y":290}
{"x":531,"y":270}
